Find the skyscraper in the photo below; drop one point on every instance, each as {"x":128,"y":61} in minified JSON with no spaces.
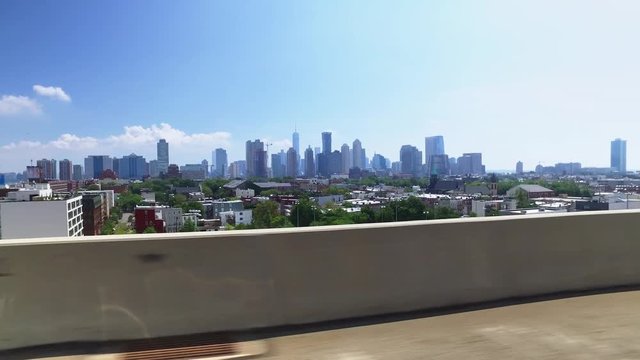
{"x":256,"y":159}
{"x":519,"y":167}
{"x":309,"y":163}
{"x":470,"y":164}
{"x":77,"y":172}
{"x":326,"y":142}
{"x":94,"y":165}
{"x":378,"y":162}
{"x":163,"y":156}
{"x":292,"y":163}
{"x":619,"y":155}
{"x":278,"y":170}
{"x":153,"y":169}
{"x":438,"y":165}
{"x":434,"y":145}
{"x":220,"y":161}
{"x":66,"y":169}
{"x":410,"y":160}
{"x":132,"y":167}
{"x":295,"y":139}
{"x":48,"y":169}
{"x":346,"y":158}
{"x":358,"y":158}
{"x":205,"y":167}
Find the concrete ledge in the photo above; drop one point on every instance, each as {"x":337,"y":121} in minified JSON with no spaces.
{"x":128,"y":287}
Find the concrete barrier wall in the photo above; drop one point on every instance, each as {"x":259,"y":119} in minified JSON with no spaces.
{"x":109,"y":288}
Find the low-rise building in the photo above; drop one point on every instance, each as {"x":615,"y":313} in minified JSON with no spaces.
{"x":244,"y":217}
{"x":212,"y":209}
{"x":173,"y":220}
{"x":532,"y":191}
{"x":148,"y":217}
{"x":94,"y":213}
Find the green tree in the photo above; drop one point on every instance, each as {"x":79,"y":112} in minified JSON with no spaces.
{"x":280,"y":221}
{"x":188,"y":226}
{"x":522,"y":199}
{"x":445,"y":212}
{"x":128,"y":201}
{"x":264,"y":213}
{"x":108,"y":227}
{"x":192,"y":205}
{"x":404,"y":210}
{"x":122,"y":229}
{"x":304,"y":213}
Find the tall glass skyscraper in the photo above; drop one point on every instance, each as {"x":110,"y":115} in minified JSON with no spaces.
{"x":220,"y":162}
{"x":326,"y":142}
{"x":619,"y":155}
{"x":256,"y":159}
{"x":295,"y":138}
{"x":163,"y":156}
{"x":434,"y":146}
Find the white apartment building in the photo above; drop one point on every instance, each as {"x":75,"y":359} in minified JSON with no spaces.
{"x":173,"y":219}
{"x":41,"y":217}
{"x":237,"y":217}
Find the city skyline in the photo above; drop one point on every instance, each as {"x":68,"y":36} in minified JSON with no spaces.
{"x":472,"y":76}
{"x":266,"y":159}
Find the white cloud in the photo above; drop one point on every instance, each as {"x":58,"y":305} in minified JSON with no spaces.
{"x":176,"y":137}
{"x":277,"y":145}
{"x":184,"y":147}
{"x":21,"y":145}
{"x":70,"y":141}
{"x":18,"y":105}
{"x":52,"y":92}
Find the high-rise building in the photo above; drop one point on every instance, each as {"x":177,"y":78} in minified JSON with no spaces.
{"x":278,"y":169}
{"x":205,"y":167}
{"x":346,"y":158}
{"x":47,"y":169}
{"x":292,"y":163}
{"x":310,"y":166}
{"x":330,"y":164}
{"x":379,"y":162}
{"x":438,"y":165}
{"x":94,"y":165}
{"x":453,"y":165}
{"x":434,"y":145}
{"x":194,"y":171}
{"x":358,"y":158}
{"x":131,"y":167}
{"x":154,"y":172}
{"x":410,"y":160}
{"x":519,"y":168}
{"x":77,"y":172}
{"x":326,"y":142}
{"x":220,"y":162}
{"x":66,"y":169}
{"x":238,"y":169}
{"x":163,"y":156}
{"x":470,"y":164}
{"x":619,"y":155}
{"x":256,"y":159}
{"x":295,"y":139}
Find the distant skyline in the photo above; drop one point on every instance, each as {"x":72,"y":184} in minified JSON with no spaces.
{"x":536,"y":81}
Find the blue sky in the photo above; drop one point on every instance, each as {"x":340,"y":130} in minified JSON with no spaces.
{"x":537,"y":81}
